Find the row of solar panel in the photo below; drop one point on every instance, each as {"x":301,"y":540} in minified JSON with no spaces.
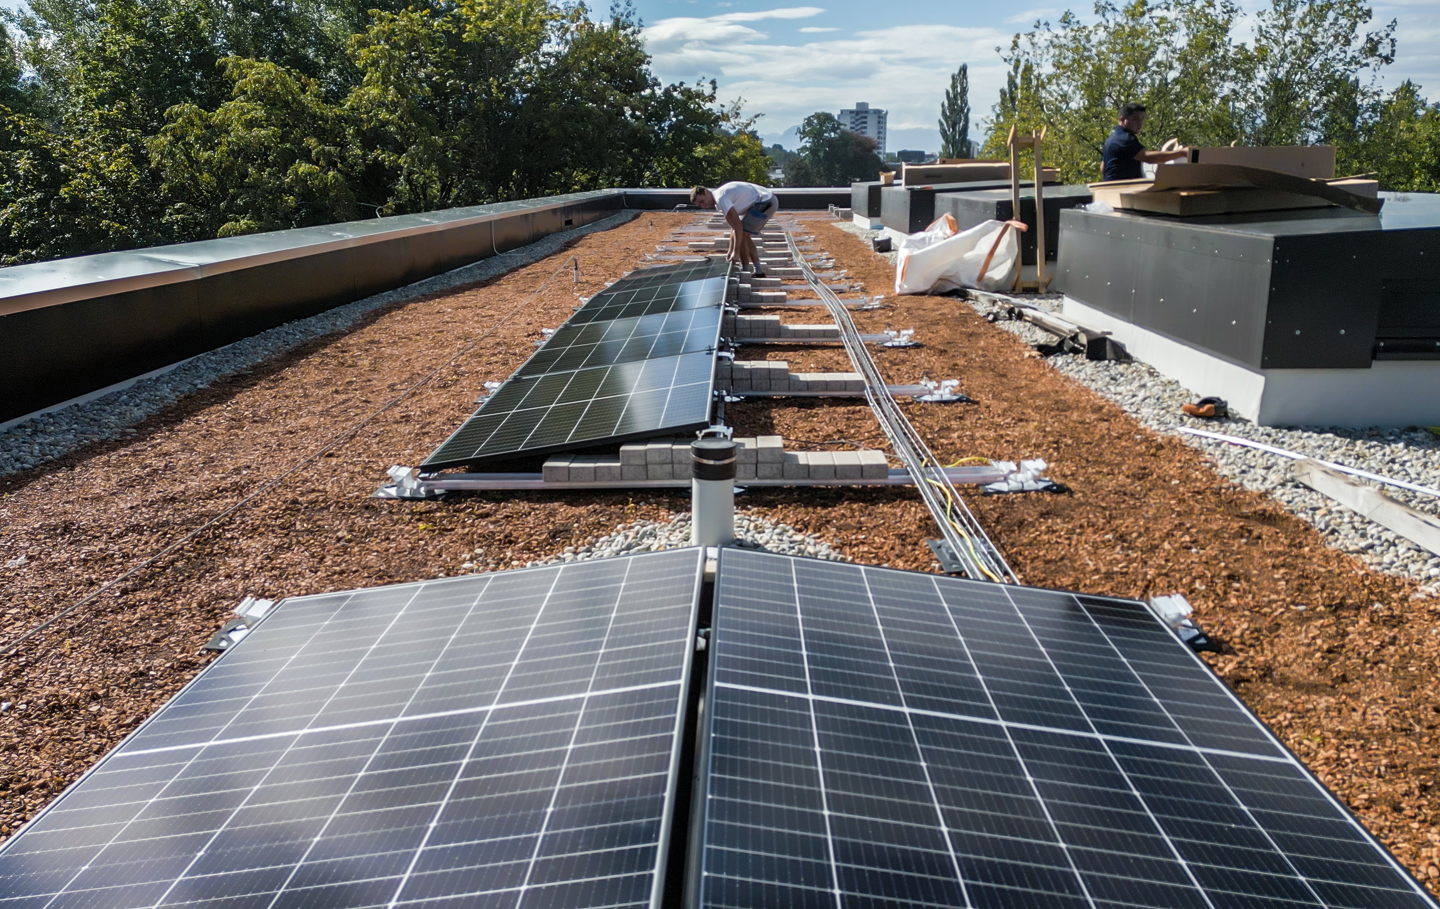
{"x":636,"y":361}
{"x":873,"y":738}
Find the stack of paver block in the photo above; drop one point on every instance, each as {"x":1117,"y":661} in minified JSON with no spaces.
{"x":775,"y":376}
{"x":763,"y":458}
{"x":739,"y":328}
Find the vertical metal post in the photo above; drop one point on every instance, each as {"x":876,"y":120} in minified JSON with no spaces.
{"x":1013,"y":141}
{"x":712,"y":493}
{"x":1041,"y":281}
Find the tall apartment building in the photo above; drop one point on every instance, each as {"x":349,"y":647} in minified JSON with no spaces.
{"x":866,"y":121}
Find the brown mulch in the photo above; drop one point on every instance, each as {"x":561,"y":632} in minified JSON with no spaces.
{"x":1343,"y":682}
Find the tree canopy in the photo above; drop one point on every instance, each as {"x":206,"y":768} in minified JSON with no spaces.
{"x":955,"y":116}
{"x":831,"y":155}
{"x":1306,"y":75}
{"x":129,"y":123}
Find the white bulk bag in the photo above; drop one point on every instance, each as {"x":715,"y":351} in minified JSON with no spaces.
{"x":933,"y":262}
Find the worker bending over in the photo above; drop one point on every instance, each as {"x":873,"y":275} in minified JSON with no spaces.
{"x":745,"y":207}
{"x":1123,"y":154}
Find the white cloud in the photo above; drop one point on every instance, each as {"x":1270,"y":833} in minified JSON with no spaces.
{"x":1031,"y":16}
{"x":815,"y":30}
{"x":791,"y":12}
{"x":904,"y":69}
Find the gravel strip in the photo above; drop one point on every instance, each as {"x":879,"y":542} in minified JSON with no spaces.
{"x":1404,"y":454}
{"x":751,"y":532}
{"x":52,"y":435}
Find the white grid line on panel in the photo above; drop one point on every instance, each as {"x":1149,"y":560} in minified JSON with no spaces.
{"x":419,"y":717}
{"x":381,"y":743}
{"x":574,"y":734}
{"x":1119,"y":768}
{"x":815,"y":735}
{"x":1291,"y":759}
{"x":915,"y":739}
{"x":245,"y":801}
{"x":986,"y":721}
{"x":119,"y":833}
{"x":474,"y":743}
{"x":1025,"y":768}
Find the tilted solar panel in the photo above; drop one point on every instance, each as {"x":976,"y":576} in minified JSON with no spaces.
{"x":637,"y":361}
{"x":582,"y":346}
{"x":879,"y":738}
{"x":532,"y":415}
{"x":506,"y":740}
{"x":658,"y":290}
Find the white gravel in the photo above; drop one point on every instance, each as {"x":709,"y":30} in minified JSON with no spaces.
{"x":1411,"y":454}
{"x":650,"y":536}
{"x":1405,"y":453}
{"x":52,"y":435}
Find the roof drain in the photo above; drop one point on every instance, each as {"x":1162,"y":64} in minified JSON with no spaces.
{"x":963,"y":548}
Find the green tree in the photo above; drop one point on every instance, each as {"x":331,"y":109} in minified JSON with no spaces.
{"x":1175,"y":57}
{"x":274,"y":156}
{"x":831,"y":155}
{"x":1396,"y":137}
{"x":1309,"y":56}
{"x":955,"y":116}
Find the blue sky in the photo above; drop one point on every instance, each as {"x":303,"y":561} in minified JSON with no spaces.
{"x":788,"y":61}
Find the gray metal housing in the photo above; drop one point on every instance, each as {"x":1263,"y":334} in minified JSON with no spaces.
{"x":910,"y":209}
{"x":69,"y":327}
{"x":865,"y":199}
{"x":970,"y":209}
{"x":1313,"y":289}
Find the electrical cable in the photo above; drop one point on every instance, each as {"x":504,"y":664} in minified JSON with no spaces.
{"x":963,"y":535}
{"x":273,"y":482}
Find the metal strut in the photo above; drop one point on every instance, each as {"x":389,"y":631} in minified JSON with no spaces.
{"x":966,"y":541}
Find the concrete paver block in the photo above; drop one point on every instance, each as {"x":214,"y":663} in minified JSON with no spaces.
{"x":874,"y":465}
{"x":821,"y":464}
{"x":848,"y":465}
{"x":770,"y":450}
{"x":795,"y":467}
{"x":556,"y":470}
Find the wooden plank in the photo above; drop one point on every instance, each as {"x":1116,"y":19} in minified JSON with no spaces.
{"x":1193,"y":202}
{"x":1220,"y":176}
{"x":1315,"y":161}
{"x":1373,"y":504}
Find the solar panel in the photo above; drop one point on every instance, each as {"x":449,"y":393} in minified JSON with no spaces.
{"x":637,"y":361}
{"x":532,"y":415}
{"x":507,"y":740}
{"x":880,"y":738}
{"x":667,"y":288}
{"x":591,"y":344}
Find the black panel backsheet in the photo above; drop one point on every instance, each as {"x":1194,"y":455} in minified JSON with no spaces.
{"x":878,"y":738}
{"x":506,"y":740}
{"x":636,"y":361}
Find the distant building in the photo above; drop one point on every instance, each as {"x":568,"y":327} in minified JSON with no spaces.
{"x":910,"y":156}
{"x":866,"y":121}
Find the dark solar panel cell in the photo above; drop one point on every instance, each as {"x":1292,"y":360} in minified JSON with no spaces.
{"x":508,"y":737}
{"x":636,"y":361}
{"x":886,"y":738}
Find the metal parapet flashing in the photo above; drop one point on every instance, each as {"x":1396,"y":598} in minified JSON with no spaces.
{"x":69,"y":327}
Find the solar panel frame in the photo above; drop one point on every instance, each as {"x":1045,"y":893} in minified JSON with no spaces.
{"x":592,"y":382}
{"x":537,"y":415}
{"x":358,"y":774}
{"x":837,"y":789}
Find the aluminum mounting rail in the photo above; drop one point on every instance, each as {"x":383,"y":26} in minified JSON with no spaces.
{"x":960,"y":529}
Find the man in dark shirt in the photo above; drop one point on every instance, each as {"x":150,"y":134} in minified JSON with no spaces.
{"x":1123,"y":154}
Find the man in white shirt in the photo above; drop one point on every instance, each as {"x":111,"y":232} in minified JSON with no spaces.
{"x":745,"y":207}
